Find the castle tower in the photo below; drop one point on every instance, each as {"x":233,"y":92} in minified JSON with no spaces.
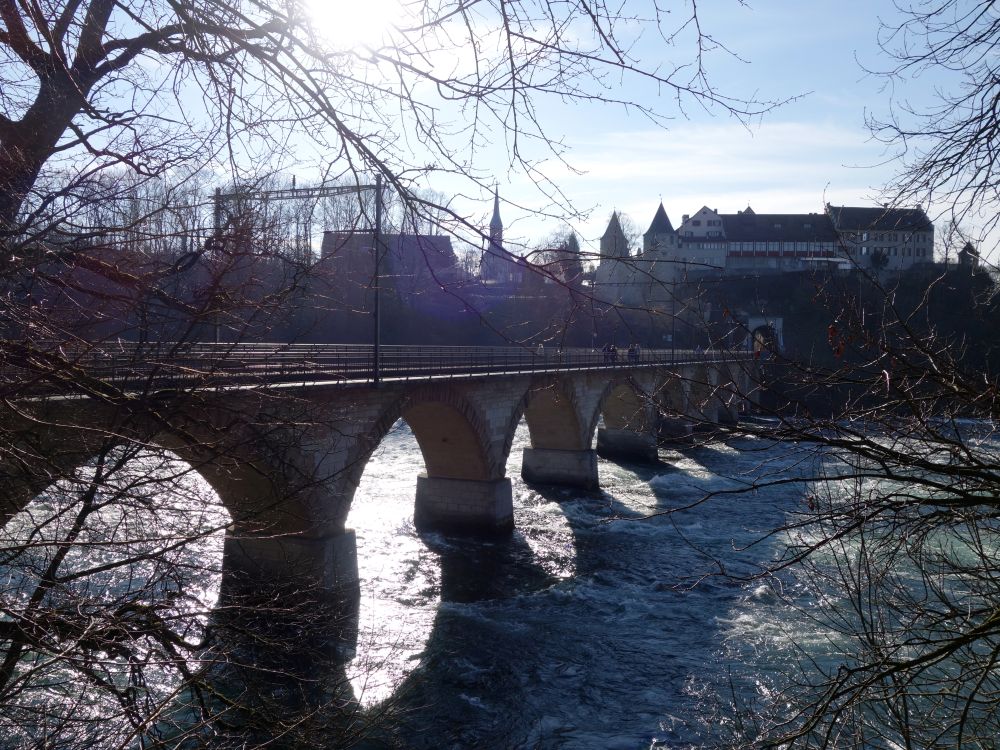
{"x":614,"y":243}
{"x":613,"y":277}
{"x":661,"y":234}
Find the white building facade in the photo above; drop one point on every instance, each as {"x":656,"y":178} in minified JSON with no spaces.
{"x":708,"y":242}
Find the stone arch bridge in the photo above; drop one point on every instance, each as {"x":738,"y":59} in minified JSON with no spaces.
{"x":284,"y":438}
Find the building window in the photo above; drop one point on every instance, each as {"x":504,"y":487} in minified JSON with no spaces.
{"x":696,"y":222}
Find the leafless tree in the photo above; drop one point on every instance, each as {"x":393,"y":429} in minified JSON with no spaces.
{"x":884,"y":573}
{"x":117,"y":120}
{"x":947,"y":145}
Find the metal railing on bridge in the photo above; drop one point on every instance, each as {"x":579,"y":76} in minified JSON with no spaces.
{"x":165,"y":364}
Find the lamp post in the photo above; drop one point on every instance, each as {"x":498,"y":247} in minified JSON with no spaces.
{"x":377,"y":333}
{"x":673,"y":334}
{"x":673,"y":321}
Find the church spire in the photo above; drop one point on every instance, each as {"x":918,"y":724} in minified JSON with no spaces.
{"x":495,"y":264}
{"x":496,"y":225}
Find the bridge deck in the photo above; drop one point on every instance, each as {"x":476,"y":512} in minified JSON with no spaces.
{"x":167,"y":364}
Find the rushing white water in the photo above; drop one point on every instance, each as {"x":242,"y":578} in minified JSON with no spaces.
{"x":134,"y":535}
{"x":600,"y":624}
{"x":625,"y":618}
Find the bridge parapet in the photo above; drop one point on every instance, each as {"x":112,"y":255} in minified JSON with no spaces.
{"x":187,"y":365}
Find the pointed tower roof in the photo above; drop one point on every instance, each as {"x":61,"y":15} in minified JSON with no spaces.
{"x":614,"y":243}
{"x":614,"y":226}
{"x":495,"y":222}
{"x":661,"y":223}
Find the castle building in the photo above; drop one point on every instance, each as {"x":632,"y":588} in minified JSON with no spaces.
{"x":903,"y":237}
{"x":704,"y":241}
{"x":708,"y":242}
{"x":644,"y":278}
{"x":780,"y":242}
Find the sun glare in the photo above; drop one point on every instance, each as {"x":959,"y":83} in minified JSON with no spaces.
{"x":351,"y":25}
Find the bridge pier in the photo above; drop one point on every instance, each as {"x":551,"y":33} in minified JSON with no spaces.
{"x":674,"y":429}
{"x":570,"y":468}
{"x":471,"y":505}
{"x":626,"y":444}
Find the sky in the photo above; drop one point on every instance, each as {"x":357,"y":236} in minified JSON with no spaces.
{"x":813,"y":149}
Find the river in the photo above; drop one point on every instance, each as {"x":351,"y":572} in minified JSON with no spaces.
{"x":601,"y":623}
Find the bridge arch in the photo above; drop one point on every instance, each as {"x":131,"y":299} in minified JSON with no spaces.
{"x":560,"y":450}
{"x":251,"y":481}
{"x":553,"y":416}
{"x":264,"y":485}
{"x":624,"y":405}
{"x":463,"y":486}
{"x":450,"y":431}
{"x":270,"y":482}
{"x":671,"y":395}
{"x":627,"y":408}
{"x":268,"y":536}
